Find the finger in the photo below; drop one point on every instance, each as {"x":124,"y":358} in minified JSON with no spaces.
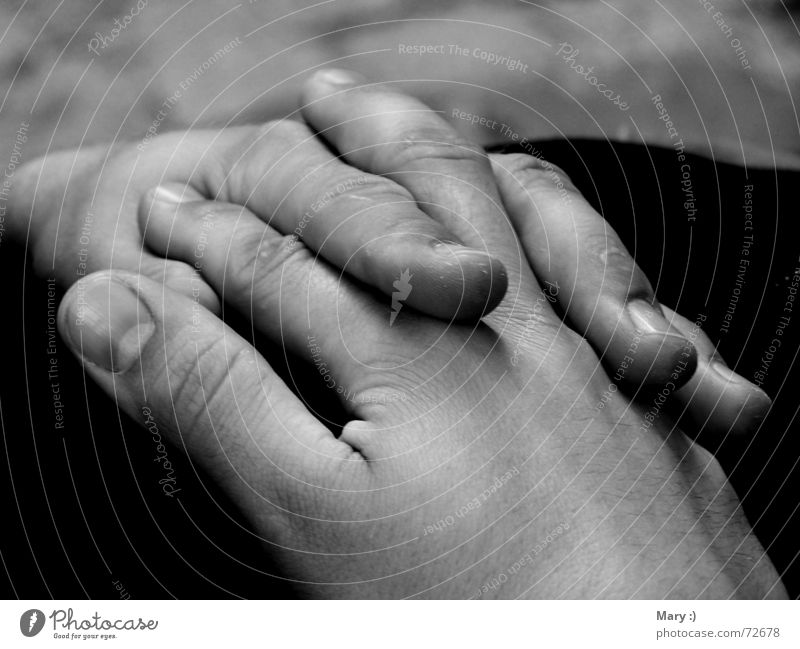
{"x":716,"y":401}
{"x":296,"y":300}
{"x":390,"y":133}
{"x":167,"y":362}
{"x":183,"y":278}
{"x":40,"y":190}
{"x":370,"y":227}
{"x":180,"y":278}
{"x":602,"y":291}
{"x":367,"y":225}
{"x":61,"y":250}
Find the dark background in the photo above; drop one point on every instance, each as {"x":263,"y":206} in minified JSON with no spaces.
{"x":82,"y":507}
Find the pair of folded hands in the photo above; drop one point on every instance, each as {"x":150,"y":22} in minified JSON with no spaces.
{"x":469,"y":310}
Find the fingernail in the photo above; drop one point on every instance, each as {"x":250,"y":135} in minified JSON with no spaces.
{"x":726,"y":373}
{"x":167,"y":195}
{"x":647,"y":319}
{"x":758,"y":401}
{"x":757,"y":396}
{"x":729,"y":376}
{"x":107,"y":325}
{"x":339,"y":77}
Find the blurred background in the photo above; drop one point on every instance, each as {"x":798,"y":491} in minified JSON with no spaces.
{"x":728,"y":71}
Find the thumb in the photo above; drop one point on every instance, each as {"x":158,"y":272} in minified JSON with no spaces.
{"x":170,"y":363}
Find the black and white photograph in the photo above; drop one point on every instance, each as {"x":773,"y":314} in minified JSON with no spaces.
{"x":400,"y":300}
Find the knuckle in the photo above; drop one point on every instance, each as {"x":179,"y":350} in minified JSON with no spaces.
{"x":243,"y":168}
{"x":533,"y":172}
{"x":194,"y":373}
{"x":257,"y":262}
{"x":244,"y":249}
{"x":342,"y":191}
{"x":287,"y":130}
{"x":551,"y":342}
{"x":605,"y":256}
{"x":602,"y":245}
{"x":202,"y":371}
{"x":533,"y":325}
{"x":422,"y":145}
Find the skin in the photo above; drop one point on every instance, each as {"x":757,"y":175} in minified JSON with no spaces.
{"x":378,"y":191}
{"x":640,"y":510}
{"x":457,"y":465}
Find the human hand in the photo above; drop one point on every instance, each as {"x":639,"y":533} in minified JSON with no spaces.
{"x":587,"y":272}
{"x":77,"y":211}
{"x":574,"y":253}
{"x":460,"y":473}
{"x":374,"y":229}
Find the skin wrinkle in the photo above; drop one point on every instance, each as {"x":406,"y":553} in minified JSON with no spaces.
{"x":480,"y":413}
